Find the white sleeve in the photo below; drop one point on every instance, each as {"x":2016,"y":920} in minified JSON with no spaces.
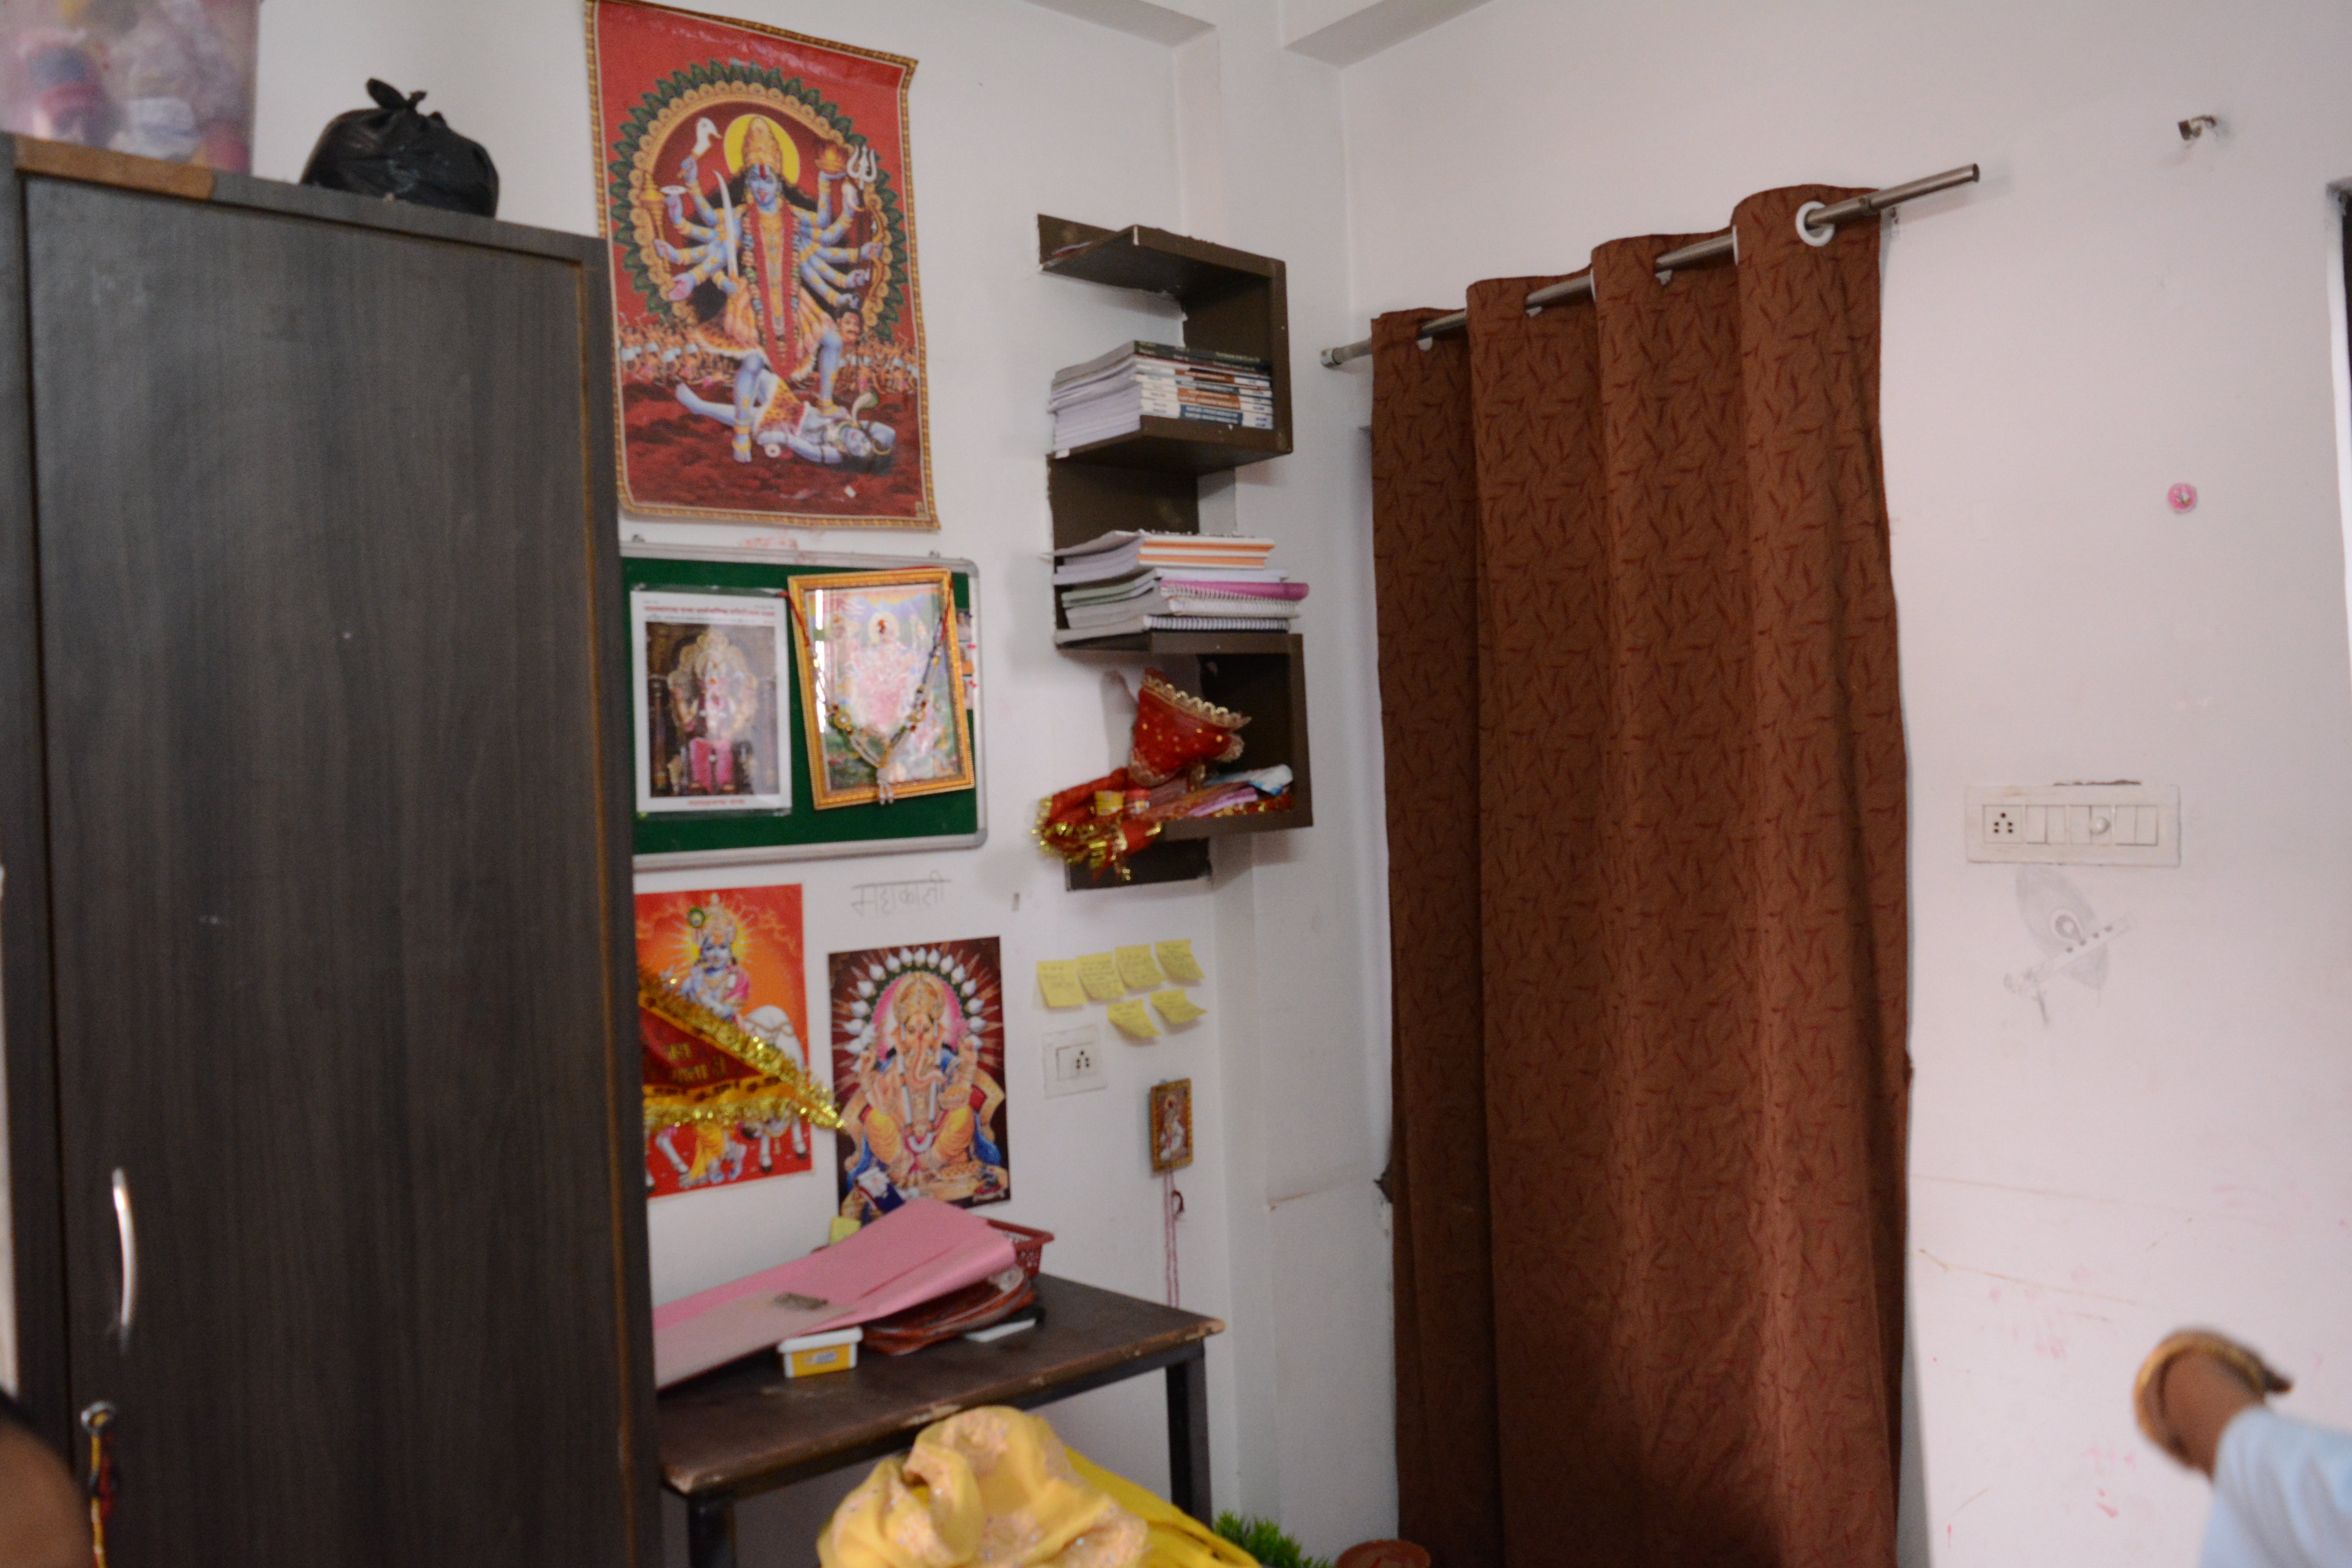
{"x":2283,"y":1490}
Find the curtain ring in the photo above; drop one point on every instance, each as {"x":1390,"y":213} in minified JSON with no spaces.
{"x":1805,"y":230}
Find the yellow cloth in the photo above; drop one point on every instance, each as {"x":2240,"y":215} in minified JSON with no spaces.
{"x":1178,"y":1540}
{"x":994,"y":1489}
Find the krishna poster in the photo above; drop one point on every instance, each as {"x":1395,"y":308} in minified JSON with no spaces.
{"x":767,"y":322}
{"x":736,"y":955}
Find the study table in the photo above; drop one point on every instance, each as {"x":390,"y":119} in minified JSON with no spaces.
{"x":748,"y":1428}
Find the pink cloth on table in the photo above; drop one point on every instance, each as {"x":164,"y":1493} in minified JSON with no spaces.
{"x":922,"y":1249}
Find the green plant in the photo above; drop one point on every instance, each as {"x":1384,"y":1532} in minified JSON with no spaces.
{"x":1263,"y":1539}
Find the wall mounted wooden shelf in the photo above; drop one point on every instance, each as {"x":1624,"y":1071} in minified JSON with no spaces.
{"x":1185,"y":446}
{"x":1234,"y":302}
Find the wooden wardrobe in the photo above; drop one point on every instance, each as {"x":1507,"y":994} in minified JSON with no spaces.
{"x":315,"y":931}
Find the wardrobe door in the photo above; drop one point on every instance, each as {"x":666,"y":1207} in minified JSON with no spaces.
{"x":334,"y":922}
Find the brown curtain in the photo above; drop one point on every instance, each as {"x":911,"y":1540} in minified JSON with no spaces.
{"x":1646,"y":828}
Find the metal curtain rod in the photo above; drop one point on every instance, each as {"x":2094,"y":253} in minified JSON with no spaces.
{"x":1814,"y":219}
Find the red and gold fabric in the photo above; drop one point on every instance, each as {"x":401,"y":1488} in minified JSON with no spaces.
{"x":1074,"y":825}
{"x":1176,"y":731}
{"x":702,"y":1070}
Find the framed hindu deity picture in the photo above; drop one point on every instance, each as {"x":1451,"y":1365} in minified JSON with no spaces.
{"x":882,"y":686}
{"x":726,"y":763}
{"x":919,"y":1074}
{"x":709,"y":719}
{"x":1171,"y":1125}
{"x":759,"y":200}
{"x":737,"y":956}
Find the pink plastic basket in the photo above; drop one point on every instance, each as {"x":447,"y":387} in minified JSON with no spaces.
{"x":1028,"y":1246}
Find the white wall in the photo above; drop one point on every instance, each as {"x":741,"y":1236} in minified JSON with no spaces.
{"x":1306,"y":1103}
{"x":1018,"y":110}
{"x":2111,"y":312}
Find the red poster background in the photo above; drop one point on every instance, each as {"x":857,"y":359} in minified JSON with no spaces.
{"x":766,"y":972}
{"x":664,"y":82}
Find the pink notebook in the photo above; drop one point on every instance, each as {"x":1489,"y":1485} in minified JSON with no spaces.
{"x":922,"y":1249}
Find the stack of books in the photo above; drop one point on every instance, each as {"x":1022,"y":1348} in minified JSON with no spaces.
{"x":1110,"y":396}
{"x":1123,"y":583}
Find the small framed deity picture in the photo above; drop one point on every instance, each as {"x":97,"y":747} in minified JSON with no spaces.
{"x":1171,"y":1124}
{"x":709,"y":709}
{"x":882,"y":686}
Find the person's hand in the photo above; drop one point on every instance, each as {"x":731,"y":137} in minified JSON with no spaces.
{"x":2192,"y":1385}
{"x":43,"y":1522}
{"x":2198,"y":1398}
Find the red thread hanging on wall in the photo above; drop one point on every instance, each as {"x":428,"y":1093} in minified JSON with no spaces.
{"x":1172,"y":1204}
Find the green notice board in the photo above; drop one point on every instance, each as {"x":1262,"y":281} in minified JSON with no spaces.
{"x":951,"y":820}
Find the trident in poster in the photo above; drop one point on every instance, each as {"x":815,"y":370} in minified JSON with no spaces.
{"x":859,"y":177}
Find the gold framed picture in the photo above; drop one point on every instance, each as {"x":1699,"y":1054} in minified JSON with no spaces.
{"x":882,"y":685}
{"x":1171,"y":1125}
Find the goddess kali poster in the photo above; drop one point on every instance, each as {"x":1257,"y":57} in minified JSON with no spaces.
{"x":737,"y":953}
{"x":766,"y":318}
{"x":918,"y":1073}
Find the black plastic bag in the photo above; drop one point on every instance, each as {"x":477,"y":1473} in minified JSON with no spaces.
{"x":393,"y":152}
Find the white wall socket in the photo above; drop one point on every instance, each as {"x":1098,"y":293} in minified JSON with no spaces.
{"x":2122,"y":823}
{"x":1073,"y":1061}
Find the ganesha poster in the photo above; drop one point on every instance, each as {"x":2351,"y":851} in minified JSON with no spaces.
{"x":918,"y":1073}
{"x":709,"y":721}
{"x":768,"y":325}
{"x":737,"y":953}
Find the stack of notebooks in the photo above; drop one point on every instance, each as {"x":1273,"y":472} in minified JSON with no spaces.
{"x":1110,"y":396}
{"x":1123,"y":583}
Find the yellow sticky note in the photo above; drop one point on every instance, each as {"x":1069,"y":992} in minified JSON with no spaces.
{"x":1058,"y":979}
{"x":1134,"y":967}
{"x":843,"y":1228}
{"x":1176,"y":1007}
{"x":1100,"y":972}
{"x":1132,"y":1019}
{"x":1176,"y":958}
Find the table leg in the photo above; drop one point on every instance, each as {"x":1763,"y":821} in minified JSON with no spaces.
{"x":710,"y":1531}
{"x":1188,"y":1437}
